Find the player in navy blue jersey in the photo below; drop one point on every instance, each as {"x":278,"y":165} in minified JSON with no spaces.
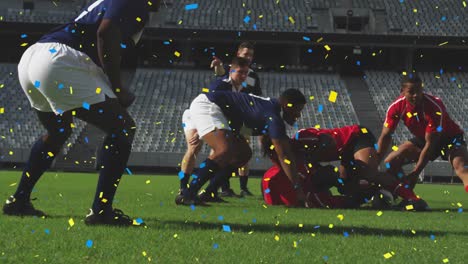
{"x":233,"y":82}
{"x":74,"y":70}
{"x":218,"y":117}
{"x":251,"y":85}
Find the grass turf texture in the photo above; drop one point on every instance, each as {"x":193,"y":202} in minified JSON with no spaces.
{"x":178,"y":234}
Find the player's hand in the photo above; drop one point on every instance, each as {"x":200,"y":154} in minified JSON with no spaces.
{"x":195,"y":139}
{"x":216,"y":62}
{"x":126,"y":97}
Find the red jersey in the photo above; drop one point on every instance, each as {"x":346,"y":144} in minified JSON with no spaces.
{"x":430,"y":116}
{"x":343,"y":136}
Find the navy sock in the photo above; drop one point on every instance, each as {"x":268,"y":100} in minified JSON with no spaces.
{"x":40,"y":159}
{"x":206,"y":171}
{"x":114,"y":160}
{"x":243,"y":182}
{"x":184,"y":179}
{"x":220,"y":179}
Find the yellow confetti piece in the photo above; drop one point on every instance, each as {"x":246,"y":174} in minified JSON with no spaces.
{"x":177,"y":54}
{"x":312,"y":234}
{"x":409,"y":207}
{"x":71,"y":222}
{"x":104,"y":200}
{"x":415,"y":10}
{"x":176,"y":235}
{"x":385,"y":124}
{"x":138,"y":19}
{"x":395,"y":148}
{"x":446,"y":260}
{"x":332,"y":97}
{"x":264,"y":206}
{"x":13,"y":184}
{"x":10,"y":153}
{"x":459,"y":204}
{"x":388,"y":255}
{"x":330,"y":226}
{"x":98,"y":90}
{"x":72,"y":125}
{"x":301,"y":225}
{"x":327,"y":47}
{"x":144,"y":253}
{"x":101,"y":194}
{"x":50,"y":154}
{"x":71,"y":90}
{"x":438,"y":113}
{"x":277,"y":238}
{"x":291,"y":19}
{"x":379,"y":213}
{"x":272,"y":147}
{"x":311,"y":97}
{"x":287,"y":161}
{"x":290,"y":105}
{"x":310,"y":165}
{"x":73,"y":113}
{"x":24,"y":44}
{"x":205,"y":90}
{"x":27,"y":174}
{"x":340,"y":216}
{"x":180,"y":22}
{"x":295,"y":244}
{"x":409,"y":115}
{"x":319,"y":40}
{"x":267,"y":179}
{"x":149,"y":3}
{"x":464,"y":5}
{"x":2,"y":110}
{"x":413,"y":232}
{"x":148,"y":181}
{"x":443,"y":43}
{"x":364,"y":130}
{"x":251,"y":232}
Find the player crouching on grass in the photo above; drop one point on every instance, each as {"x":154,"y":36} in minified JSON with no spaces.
{"x":218,"y":117}
{"x":354,"y":147}
{"x":435,"y":133}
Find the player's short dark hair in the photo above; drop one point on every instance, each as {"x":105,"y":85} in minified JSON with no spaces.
{"x":239,"y":62}
{"x":247,"y":45}
{"x":411,"y":78}
{"x":294,"y":96}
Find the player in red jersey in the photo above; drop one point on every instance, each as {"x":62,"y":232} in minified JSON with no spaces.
{"x":354,"y":147}
{"x":436,"y":134}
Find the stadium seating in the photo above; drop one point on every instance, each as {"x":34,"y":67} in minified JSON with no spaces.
{"x":19,"y":126}
{"x":163,"y":95}
{"x":450,"y":87}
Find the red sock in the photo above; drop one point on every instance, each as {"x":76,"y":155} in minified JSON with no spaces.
{"x":403,"y":192}
{"x":466,"y":188}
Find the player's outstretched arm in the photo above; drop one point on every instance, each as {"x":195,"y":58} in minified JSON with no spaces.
{"x":384,"y":142}
{"x":288,"y":163}
{"x":217,"y":64}
{"x":432,"y":139}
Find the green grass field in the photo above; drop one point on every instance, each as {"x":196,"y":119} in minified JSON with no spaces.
{"x":258,"y":234}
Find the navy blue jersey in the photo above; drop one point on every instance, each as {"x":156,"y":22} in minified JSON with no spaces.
{"x":224,"y":84}
{"x":252,"y":83}
{"x":262,"y":115}
{"x":81,"y":34}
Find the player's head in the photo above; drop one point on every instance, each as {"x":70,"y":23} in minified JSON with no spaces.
{"x":412,"y":89}
{"x":239,"y":70}
{"x":246,"y":50}
{"x":292,"y":102}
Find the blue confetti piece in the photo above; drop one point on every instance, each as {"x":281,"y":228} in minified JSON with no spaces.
{"x":400,"y":175}
{"x":320,"y":108}
{"x":139,"y":221}
{"x":432,"y":237}
{"x":387,"y":165}
{"x":244,"y":84}
{"x":52,"y":50}
{"x":37,"y":84}
{"x":184,"y":125}
{"x":181,"y":175}
{"x":316,"y":227}
{"x":441,"y":71}
{"x":86,"y":139}
{"x":376,"y":146}
{"x":444,"y":18}
{"x":86,"y":105}
{"x":202,"y":165}
{"x":325,"y":258}
{"x":402,"y":1}
{"x":310,"y":51}
{"x":246,"y":19}
{"x":340,"y":180}
{"x":215,"y":246}
{"x":61,"y":86}
{"x":166,"y":43}
{"x":439,"y":129}
{"x":267,"y":190}
{"x":60,"y":111}
{"x":123,"y":46}
{"x":254,"y":220}
{"x":345,"y":234}
{"x":47,"y":231}
{"x":226,"y":228}
{"x":453,"y":79}
{"x":358,"y":63}
{"x":220,"y":218}
{"x":24,"y":36}
{"x":192,"y":207}
{"x":191,"y":7}
{"x":306,"y":38}
{"x":254,"y":26}
{"x":460,"y":210}
{"x":128,"y":171}
{"x":89,"y":243}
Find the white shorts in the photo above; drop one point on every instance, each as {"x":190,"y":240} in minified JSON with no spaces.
{"x":206,"y":116}
{"x":57,"y":78}
{"x":187,"y":123}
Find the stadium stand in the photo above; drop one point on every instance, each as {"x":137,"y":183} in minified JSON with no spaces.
{"x":450,"y":87}
{"x":19,"y":126}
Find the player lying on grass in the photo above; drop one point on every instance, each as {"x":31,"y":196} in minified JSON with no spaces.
{"x":252,"y":85}
{"x":317,"y":181}
{"x":435,"y":133}
{"x":354,"y":147}
{"x":218,"y":117}
{"x":74,"y":70}
{"x":238,"y":73}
